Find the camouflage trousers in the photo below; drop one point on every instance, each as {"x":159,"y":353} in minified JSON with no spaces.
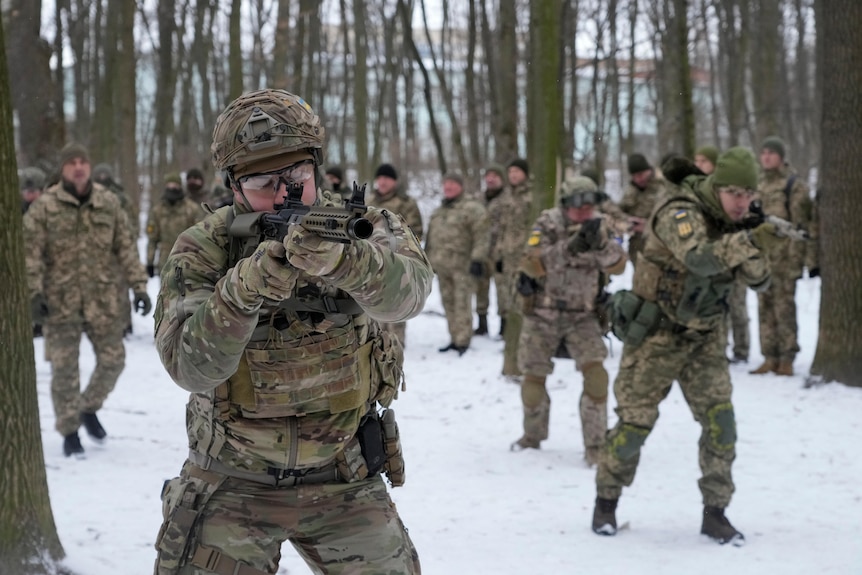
{"x":337,"y":528}
{"x":483,"y":293}
{"x":456,"y":291}
{"x":739,"y":319}
{"x":647,"y":372}
{"x":397,"y":328}
{"x":777,"y":316}
{"x":63,"y":342}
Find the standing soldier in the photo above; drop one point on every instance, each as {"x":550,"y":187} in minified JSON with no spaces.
{"x":568,"y":251}
{"x":168,"y":219}
{"x":638,"y":201}
{"x":785,"y":195}
{"x":672,"y":325}
{"x":390,"y":195}
{"x":74,"y":234}
{"x":457,"y":246}
{"x":514,"y":226}
{"x":31,"y":181}
{"x":335,"y":178}
{"x":495,"y":192}
{"x":197,"y":193}
{"x":279,"y":346}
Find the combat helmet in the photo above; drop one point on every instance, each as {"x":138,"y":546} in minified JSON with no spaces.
{"x":32,"y":178}
{"x":577,"y":191}
{"x":261,"y":125}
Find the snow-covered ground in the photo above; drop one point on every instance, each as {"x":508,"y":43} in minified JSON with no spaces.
{"x":473,"y":506}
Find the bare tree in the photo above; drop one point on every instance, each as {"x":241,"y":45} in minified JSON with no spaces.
{"x":235,"y":77}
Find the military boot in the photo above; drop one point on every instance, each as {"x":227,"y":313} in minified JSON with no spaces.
{"x":502,"y":326}
{"x":785,"y":367}
{"x":770,"y":364}
{"x":717,"y":527}
{"x":605,"y":516}
{"x":92,"y":425}
{"x":483,"y":326}
{"x":72,"y":445}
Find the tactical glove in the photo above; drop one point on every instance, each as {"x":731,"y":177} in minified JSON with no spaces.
{"x":311,"y":253}
{"x":143,"y":303}
{"x":527,"y":286}
{"x":499,"y":266}
{"x":151,"y":270}
{"x":39,"y":308}
{"x":264,"y":274}
{"x":813,"y":272}
{"x":477,"y":269}
{"x":763,"y":237}
{"x":588,"y":238}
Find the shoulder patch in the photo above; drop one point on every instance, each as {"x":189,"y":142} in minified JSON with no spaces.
{"x":535,"y":238}
{"x":683,"y":224}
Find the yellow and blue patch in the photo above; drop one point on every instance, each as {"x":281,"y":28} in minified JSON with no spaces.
{"x":535,"y":238}
{"x":683,"y":224}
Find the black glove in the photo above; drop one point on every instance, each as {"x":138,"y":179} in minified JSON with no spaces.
{"x":151,"y":270}
{"x":39,"y":308}
{"x":477,"y":269}
{"x":813,"y":272}
{"x":143,"y":303}
{"x":588,"y":238}
{"x":498,"y":265}
{"x":527,"y":286}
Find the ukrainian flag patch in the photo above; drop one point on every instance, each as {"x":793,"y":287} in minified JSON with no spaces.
{"x":683,"y":224}
{"x":535,"y":238}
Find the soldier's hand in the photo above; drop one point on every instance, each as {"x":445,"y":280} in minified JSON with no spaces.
{"x":311,"y":253}
{"x":151,"y":270}
{"x":813,"y":272}
{"x":526,"y":286}
{"x":264,"y":274}
{"x":39,"y":308}
{"x":498,"y":266}
{"x":588,"y":238}
{"x":143,"y":303}
{"x":763,"y":237}
{"x":477,"y":269}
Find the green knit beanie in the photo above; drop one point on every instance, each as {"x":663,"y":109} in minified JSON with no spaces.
{"x":71,"y":151}
{"x":638,"y":163}
{"x":497,"y":169}
{"x":775,"y":144}
{"x":708,"y":152}
{"x":173,"y":178}
{"x":736,"y":167}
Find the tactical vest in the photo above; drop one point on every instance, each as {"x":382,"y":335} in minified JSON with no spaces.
{"x":687,"y":300}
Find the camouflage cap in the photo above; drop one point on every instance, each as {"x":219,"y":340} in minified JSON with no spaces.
{"x":265,"y":124}
{"x":31,"y":178}
{"x":736,"y":167}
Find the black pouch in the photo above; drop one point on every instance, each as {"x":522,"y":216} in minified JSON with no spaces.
{"x":371,"y":443}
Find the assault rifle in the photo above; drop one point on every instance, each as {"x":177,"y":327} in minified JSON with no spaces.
{"x":783,"y":228}
{"x":343,"y":225}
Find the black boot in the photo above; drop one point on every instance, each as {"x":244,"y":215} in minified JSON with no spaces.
{"x":72,"y":445}
{"x":502,"y":326}
{"x":605,"y":516}
{"x":446,"y":348}
{"x":483,"y":326}
{"x":717,"y":527}
{"x":92,"y":425}
{"x":461,"y":349}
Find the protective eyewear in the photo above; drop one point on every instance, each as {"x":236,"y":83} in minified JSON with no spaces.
{"x":580,"y":199}
{"x":296,"y":173}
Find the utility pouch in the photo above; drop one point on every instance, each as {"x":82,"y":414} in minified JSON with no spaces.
{"x":371,"y":443}
{"x":695,"y":292}
{"x":633,"y":318}
{"x":387,"y":373}
{"x":350,"y":462}
{"x":183,"y":498}
{"x":394,"y":466}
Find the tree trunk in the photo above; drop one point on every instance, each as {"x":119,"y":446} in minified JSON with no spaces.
{"x":29,"y":544}
{"x":235,"y":80}
{"x":165,"y":85}
{"x":765,"y":68}
{"x":360,"y":91}
{"x":127,"y":144}
{"x":840,"y":338}
{"x":507,"y":87}
{"x":281,"y":48}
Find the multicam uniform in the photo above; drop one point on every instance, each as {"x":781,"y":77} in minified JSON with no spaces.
{"x":278,"y":397}
{"x":74,"y":250}
{"x":639,"y":203}
{"x":691,"y":258}
{"x":562,"y":311}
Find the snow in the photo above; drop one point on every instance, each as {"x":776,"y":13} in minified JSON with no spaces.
{"x":472,"y":505}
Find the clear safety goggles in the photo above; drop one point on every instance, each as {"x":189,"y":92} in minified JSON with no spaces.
{"x":296,"y":173}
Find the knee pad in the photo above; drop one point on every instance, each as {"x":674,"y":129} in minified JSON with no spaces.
{"x":595,"y":382}
{"x":722,"y":426}
{"x":625,"y":441}
{"x":533,"y":392}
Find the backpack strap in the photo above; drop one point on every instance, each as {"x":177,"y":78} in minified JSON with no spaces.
{"x":787,"y":189}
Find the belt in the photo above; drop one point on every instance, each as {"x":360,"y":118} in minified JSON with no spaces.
{"x":274,"y":477}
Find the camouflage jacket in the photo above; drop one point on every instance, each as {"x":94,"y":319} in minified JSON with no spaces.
{"x":514,"y":225}
{"x":787,"y":258}
{"x":72,"y":253}
{"x":457,"y":234}
{"x":640,"y":202}
{"x":282,"y":385}
{"x":493,"y":201}
{"x":129,"y":207}
{"x":692,"y":256}
{"x":165,"y":224}
{"x":566,"y":281}
{"x":398,"y":202}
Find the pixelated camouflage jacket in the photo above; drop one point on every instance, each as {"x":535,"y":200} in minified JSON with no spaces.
{"x":165,"y":223}
{"x":494,"y":201}
{"x":571,"y":281}
{"x":514,"y":225}
{"x":398,"y":202}
{"x":641,"y":202}
{"x":692,"y":255}
{"x":273,"y":386}
{"x":788,"y":256}
{"x":72,"y":253}
{"x":457,"y":234}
